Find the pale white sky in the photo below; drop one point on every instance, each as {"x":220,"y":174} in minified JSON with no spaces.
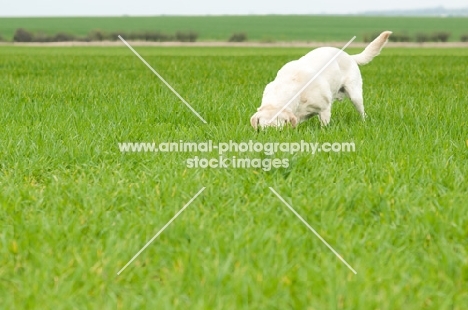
{"x":203,"y":7}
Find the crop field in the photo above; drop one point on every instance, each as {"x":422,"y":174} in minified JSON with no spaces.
{"x":75,"y":209}
{"x":258,"y":28}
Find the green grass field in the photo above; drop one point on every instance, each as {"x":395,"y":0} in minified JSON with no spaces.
{"x":258,"y":28}
{"x":74,"y":209}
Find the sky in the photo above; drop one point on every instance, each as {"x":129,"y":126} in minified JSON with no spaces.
{"x":210,"y":7}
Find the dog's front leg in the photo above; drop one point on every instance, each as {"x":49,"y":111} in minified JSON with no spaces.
{"x":325,"y":117}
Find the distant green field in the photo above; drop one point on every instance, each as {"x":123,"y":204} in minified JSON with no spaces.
{"x":258,"y":28}
{"x":74,"y":209}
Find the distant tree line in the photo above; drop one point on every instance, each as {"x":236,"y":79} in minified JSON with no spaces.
{"x":23,"y":35}
{"x":420,"y":37}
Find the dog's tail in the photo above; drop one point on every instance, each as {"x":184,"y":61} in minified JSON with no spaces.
{"x":373,"y":49}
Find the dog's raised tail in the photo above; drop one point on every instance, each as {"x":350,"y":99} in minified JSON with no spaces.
{"x":373,"y":49}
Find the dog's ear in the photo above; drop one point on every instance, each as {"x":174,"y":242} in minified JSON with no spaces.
{"x":292,"y":119}
{"x":254,"y":120}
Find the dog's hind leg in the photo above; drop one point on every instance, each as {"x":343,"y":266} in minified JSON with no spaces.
{"x":355,"y":94}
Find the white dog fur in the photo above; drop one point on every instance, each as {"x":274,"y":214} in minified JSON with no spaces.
{"x":340,"y":79}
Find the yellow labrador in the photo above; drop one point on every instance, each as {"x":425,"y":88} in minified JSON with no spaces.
{"x":340,"y":79}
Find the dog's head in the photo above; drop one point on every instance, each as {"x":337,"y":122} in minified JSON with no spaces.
{"x":265,"y":114}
